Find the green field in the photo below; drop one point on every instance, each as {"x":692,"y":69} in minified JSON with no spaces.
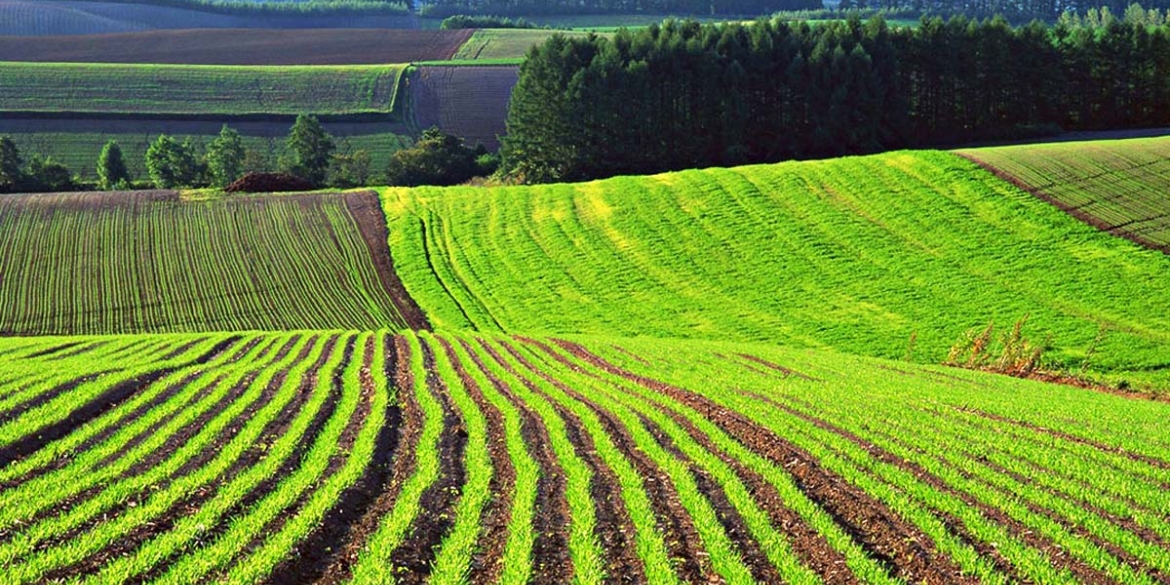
{"x":150,"y":262}
{"x":505,"y":44}
{"x":79,"y":150}
{"x":1116,"y":185}
{"x":868,"y":255}
{"x":653,"y":380}
{"x":186,"y":90}
{"x":197,"y":458}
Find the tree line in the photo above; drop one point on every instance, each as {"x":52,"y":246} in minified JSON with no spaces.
{"x":684,"y":95}
{"x":435,"y":159}
{"x":442,"y":8}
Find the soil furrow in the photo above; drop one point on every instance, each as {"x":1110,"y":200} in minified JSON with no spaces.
{"x":1059,"y":558}
{"x":413,"y":558}
{"x":551,"y":515}
{"x":50,"y":394}
{"x":322,"y":548}
{"x":191,"y":503}
{"x":487,"y":561}
{"x":787,"y":372}
{"x":371,"y":223}
{"x":911,"y":554}
{"x":614,"y":528}
{"x":392,"y":466}
{"x":682,"y":539}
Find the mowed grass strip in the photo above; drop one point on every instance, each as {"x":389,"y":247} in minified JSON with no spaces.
{"x":150,"y":262}
{"x":133,"y":89}
{"x":1116,"y":185}
{"x":888,"y":255}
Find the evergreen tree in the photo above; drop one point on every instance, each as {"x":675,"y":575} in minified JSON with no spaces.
{"x":311,"y":148}
{"x":225,"y":157}
{"x":111,"y":168}
{"x":10,"y":164}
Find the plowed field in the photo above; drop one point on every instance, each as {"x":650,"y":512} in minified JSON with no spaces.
{"x":368,"y":458}
{"x":469,"y":102}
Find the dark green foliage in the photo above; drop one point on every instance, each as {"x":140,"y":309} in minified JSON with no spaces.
{"x":46,"y":175}
{"x":437,"y":159}
{"x":682,"y":95}
{"x":225,"y":157}
{"x":351,"y":169}
{"x":10,"y":163}
{"x":461,"y":21}
{"x":172,"y":164}
{"x":111,"y":168}
{"x":311,"y":149}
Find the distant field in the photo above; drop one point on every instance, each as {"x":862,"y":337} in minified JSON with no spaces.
{"x":892,"y":255}
{"x":1120,"y":186}
{"x":283,"y":457}
{"x":197,"y":89}
{"x":505,"y":43}
{"x":45,"y":17}
{"x":241,"y":47}
{"x":77,"y":143}
{"x":148,"y":262}
{"x":469,"y":102}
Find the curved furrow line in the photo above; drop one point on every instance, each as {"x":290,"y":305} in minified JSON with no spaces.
{"x":625,"y":543}
{"x":143,"y":500}
{"x":487,"y":561}
{"x":326,"y":546}
{"x":262,"y":463}
{"x":412,"y":560}
{"x":406,"y":416}
{"x":903,"y":546}
{"x":540,"y":514}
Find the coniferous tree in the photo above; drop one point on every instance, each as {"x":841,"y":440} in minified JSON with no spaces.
{"x":311,"y":148}
{"x":225,"y":157}
{"x":111,"y":168}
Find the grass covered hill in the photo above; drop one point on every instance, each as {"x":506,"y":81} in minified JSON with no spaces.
{"x":1116,"y":185}
{"x":890,"y":255}
{"x":192,"y":90}
{"x":371,"y":458}
{"x":152,"y":262}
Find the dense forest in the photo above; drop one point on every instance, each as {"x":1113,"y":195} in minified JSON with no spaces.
{"x":683,"y":95}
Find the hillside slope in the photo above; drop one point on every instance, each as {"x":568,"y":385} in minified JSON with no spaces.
{"x":150,"y":262}
{"x":888,"y":255}
{"x":1119,"y":186}
{"x":284,"y":457}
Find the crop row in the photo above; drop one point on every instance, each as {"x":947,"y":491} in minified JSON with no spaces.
{"x":76,"y":264}
{"x":372,"y":458}
{"x":1118,"y":185}
{"x":133,"y":89}
{"x":855,"y":254}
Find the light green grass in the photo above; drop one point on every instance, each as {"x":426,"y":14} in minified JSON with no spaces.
{"x":883,"y":255}
{"x":132,"y":89}
{"x":1118,"y":184}
{"x":505,"y":43}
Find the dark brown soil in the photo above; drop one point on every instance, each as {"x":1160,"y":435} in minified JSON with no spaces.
{"x":683,"y":543}
{"x":269,"y":183}
{"x":412,"y":560}
{"x":468,"y":102}
{"x":241,"y":47}
{"x":401,"y":466}
{"x":487,"y":562}
{"x":367,"y":212}
{"x":614,"y":529}
{"x":100,"y":405}
{"x":903,"y":547}
{"x":551,"y":518}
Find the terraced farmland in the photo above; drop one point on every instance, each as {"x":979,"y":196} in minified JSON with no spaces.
{"x":151,"y":262}
{"x":1116,"y":185}
{"x":892,"y":255}
{"x":192,"y":90}
{"x":344,"y":457}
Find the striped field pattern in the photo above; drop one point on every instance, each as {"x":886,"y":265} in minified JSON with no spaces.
{"x":333,"y":457}
{"x":152,"y":262}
